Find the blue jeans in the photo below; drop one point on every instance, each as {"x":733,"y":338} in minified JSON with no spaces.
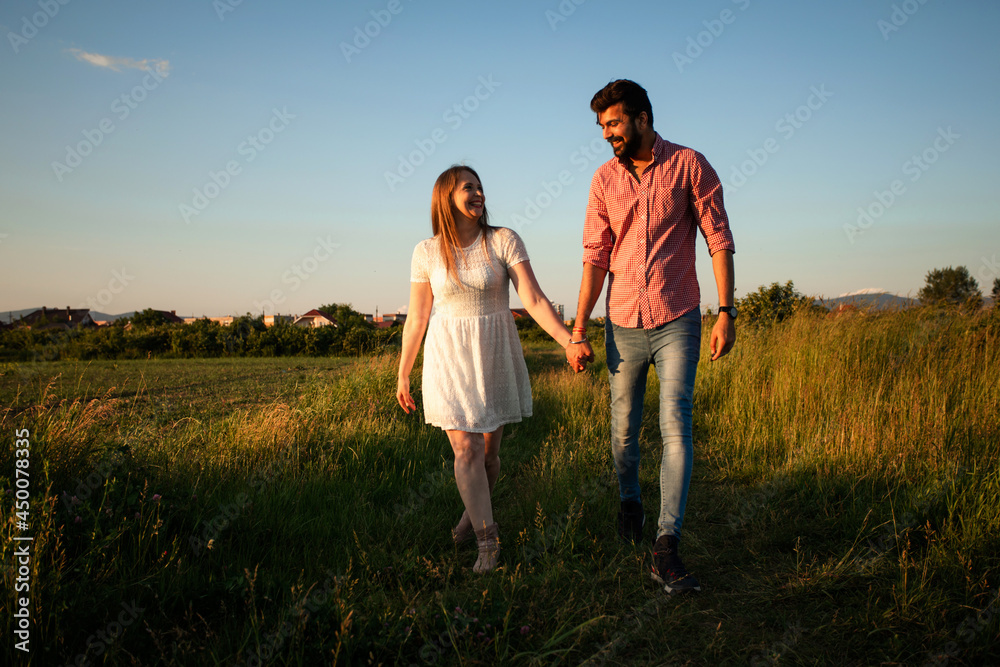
{"x":673,"y":349}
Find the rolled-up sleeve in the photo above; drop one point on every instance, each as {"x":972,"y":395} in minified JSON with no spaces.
{"x":598,"y":238}
{"x":706,"y":200}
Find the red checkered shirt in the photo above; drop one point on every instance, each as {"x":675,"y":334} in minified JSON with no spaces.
{"x":643,"y":233}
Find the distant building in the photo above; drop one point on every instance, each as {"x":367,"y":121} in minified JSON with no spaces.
{"x":222,"y":321}
{"x":57,"y":318}
{"x":271,"y":320}
{"x":315,"y":318}
{"x":519,"y":313}
{"x":385,"y":320}
{"x":171,"y":317}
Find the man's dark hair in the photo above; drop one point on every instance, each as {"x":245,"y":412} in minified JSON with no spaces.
{"x":632,"y":95}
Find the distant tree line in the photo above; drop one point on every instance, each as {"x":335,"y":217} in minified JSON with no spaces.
{"x":149,"y":336}
{"x":943,"y":288}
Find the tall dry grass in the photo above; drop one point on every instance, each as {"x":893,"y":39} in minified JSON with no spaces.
{"x":845,"y":502}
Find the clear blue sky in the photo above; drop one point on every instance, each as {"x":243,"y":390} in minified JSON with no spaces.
{"x":99,"y":157}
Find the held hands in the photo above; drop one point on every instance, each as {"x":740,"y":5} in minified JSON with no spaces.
{"x":403,"y":395}
{"x":579,"y":354}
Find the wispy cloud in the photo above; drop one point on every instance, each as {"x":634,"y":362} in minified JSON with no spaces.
{"x":116,"y":63}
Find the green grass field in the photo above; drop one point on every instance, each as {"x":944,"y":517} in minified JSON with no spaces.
{"x":844,"y":510}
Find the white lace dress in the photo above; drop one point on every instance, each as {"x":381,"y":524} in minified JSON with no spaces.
{"x":474,"y":376}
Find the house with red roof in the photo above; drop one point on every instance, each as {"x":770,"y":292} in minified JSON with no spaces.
{"x":315,"y":318}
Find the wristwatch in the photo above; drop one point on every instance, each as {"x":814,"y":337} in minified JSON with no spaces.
{"x":728,"y":310}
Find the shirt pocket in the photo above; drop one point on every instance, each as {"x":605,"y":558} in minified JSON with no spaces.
{"x":670,"y":205}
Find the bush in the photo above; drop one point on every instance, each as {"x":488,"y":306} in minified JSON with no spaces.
{"x":769,"y":305}
{"x":955,"y":287}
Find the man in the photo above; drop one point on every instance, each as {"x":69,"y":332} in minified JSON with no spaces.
{"x":645,"y":205}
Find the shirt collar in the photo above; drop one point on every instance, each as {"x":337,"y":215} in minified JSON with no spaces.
{"x":659,"y":148}
{"x":659,"y":151}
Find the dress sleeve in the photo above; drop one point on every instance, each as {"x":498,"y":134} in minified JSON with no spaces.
{"x":512,"y":248}
{"x":418,"y":265}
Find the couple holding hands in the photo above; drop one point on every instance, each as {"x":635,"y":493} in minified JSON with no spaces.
{"x":644,"y":208}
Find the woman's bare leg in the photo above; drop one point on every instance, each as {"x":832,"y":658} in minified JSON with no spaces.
{"x":470,"y":475}
{"x":492,"y":463}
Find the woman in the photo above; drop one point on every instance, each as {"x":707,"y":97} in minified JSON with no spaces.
{"x":474,"y":376}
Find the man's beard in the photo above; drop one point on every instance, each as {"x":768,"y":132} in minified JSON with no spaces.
{"x":629,"y":146}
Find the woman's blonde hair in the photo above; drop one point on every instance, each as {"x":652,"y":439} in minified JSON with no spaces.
{"x":443,"y":217}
